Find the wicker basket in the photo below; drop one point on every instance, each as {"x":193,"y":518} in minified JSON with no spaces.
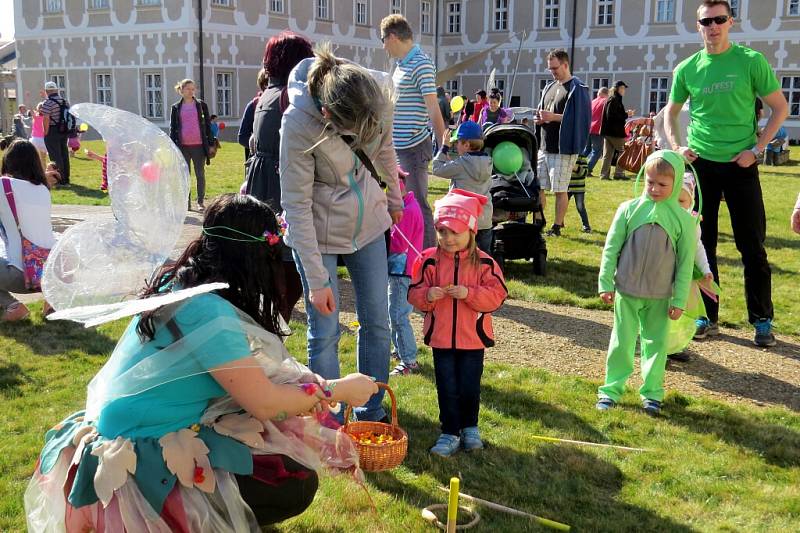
{"x":378,"y":457}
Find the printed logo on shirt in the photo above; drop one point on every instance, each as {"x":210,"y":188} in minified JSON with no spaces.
{"x":719,"y":87}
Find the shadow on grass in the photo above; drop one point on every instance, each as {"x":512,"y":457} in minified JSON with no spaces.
{"x":774,"y":443}
{"x":58,"y":337}
{"x":11,"y":377}
{"x":736,"y":262}
{"x":756,"y":386}
{"x":771,"y":242}
{"x":85,"y":192}
{"x":578,"y":330}
{"x":557,"y":482}
{"x":574,"y":277}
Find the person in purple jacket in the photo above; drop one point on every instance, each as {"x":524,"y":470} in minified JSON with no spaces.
{"x":405,"y":245}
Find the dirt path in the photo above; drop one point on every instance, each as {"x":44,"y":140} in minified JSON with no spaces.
{"x":573,"y":341}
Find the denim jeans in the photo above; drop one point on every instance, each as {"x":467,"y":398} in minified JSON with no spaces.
{"x":483,"y":239}
{"x":580,"y":205}
{"x":415,"y":161}
{"x":593,"y":150}
{"x":458,"y":387}
{"x":399,"y":311}
{"x":372,"y":342}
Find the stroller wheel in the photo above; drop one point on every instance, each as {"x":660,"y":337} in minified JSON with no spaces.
{"x":540,"y":263}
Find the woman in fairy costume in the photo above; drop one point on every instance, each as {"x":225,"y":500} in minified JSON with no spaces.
{"x":200,"y":420}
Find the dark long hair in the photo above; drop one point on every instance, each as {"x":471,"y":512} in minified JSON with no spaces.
{"x":21,"y":161}
{"x":281,"y":54}
{"x":253,"y":270}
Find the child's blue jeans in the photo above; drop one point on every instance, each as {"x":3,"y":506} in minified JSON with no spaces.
{"x":399,"y":311}
{"x":458,"y":386}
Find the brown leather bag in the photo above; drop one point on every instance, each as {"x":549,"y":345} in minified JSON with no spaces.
{"x":640,"y":145}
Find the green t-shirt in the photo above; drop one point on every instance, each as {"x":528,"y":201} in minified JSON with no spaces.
{"x":722,"y":89}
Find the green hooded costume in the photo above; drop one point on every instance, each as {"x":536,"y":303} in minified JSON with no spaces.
{"x":647,"y":261}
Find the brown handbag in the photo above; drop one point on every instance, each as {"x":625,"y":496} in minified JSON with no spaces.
{"x":640,"y":145}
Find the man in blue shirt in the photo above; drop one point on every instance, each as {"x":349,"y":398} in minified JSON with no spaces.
{"x":416,"y":103}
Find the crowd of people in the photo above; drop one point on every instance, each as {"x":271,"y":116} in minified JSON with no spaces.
{"x":337,"y":175}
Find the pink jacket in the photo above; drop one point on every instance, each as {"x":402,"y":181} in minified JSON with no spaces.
{"x":412,"y":228}
{"x":457,"y":324}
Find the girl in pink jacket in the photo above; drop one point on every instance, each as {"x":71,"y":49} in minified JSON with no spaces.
{"x":457,"y":286}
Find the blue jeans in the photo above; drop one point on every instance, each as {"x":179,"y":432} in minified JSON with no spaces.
{"x":399,"y":311}
{"x":458,"y":387}
{"x":372,"y":342}
{"x":593,"y":150}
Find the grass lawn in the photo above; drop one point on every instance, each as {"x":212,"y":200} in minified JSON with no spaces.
{"x":713,"y":467}
{"x":574,"y":259}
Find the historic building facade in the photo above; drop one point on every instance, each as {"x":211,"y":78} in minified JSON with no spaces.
{"x":129,"y":53}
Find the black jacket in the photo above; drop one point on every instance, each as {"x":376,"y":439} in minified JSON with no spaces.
{"x":205,"y":125}
{"x":614,"y":118}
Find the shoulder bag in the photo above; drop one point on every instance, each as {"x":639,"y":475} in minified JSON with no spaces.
{"x":640,"y":145}
{"x":33,"y":256}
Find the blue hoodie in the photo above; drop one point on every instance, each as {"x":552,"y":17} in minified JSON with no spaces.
{"x":577,"y":117}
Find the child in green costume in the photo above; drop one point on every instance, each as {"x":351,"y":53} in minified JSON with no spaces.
{"x":645,"y":272}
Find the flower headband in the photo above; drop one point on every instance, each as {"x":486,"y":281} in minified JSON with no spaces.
{"x":269,"y":237}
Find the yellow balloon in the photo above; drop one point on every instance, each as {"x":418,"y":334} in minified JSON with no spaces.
{"x":83,"y":127}
{"x":456,"y":104}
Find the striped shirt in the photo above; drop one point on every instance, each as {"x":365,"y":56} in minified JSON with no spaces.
{"x":413,"y":78}
{"x":50,"y":106}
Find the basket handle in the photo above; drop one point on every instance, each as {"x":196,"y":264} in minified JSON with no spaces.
{"x":349,"y":409}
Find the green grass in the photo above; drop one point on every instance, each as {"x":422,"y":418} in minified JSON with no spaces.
{"x":714,"y":467}
{"x":574,"y":259}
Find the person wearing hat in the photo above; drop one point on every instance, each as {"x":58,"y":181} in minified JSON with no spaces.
{"x":471,"y":170}
{"x":612,"y":129}
{"x":457,"y":286}
{"x":54,"y":139}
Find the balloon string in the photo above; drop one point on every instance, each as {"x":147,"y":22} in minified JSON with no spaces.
{"x":396,"y":229}
{"x":516,"y":175}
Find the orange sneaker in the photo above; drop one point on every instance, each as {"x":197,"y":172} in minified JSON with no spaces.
{"x":15,"y":311}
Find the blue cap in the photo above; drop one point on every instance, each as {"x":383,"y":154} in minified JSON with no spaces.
{"x":469,"y":131}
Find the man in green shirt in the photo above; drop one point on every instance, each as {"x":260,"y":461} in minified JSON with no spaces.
{"x":722,"y":81}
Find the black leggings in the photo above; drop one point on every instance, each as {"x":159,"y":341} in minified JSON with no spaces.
{"x":275,"y":503}
{"x":580,"y":205}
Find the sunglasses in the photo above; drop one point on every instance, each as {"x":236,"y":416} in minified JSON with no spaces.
{"x":720,"y":20}
{"x":383,"y":38}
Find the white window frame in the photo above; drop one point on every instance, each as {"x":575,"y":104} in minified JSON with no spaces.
{"x":500,"y":15}
{"x":223,"y":87}
{"x":551,"y":17}
{"x":396,"y":7}
{"x":735,"y":8}
{"x":451,"y":87}
{"x":793,"y":9}
{"x":97,"y":5}
{"x":500,"y":83}
{"x":148,"y":3}
{"x":61,"y":82}
{"x":605,"y":13}
{"x":597,"y":84}
{"x":51,"y":7}
{"x":361,"y":16}
{"x":322,"y":9}
{"x":665,"y":11}
{"x":277,"y":6}
{"x":425,"y":11}
{"x":790,"y":85}
{"x":153,"y":95}
{"x":658,"y":93}
{"x":104,"y":93}
{"x":453,"y":17}
{"x":222,"y":3}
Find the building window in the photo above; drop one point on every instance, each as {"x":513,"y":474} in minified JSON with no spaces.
{"x":148,"y":2}
{"x":551,"y":13}
{"x":153,"y":96}
{"x":425,"y":17}
{"x":665,"y":10}
{"x":224,"y":93}
{"x":451,"y":87}
{"x":794,"y":8}
{"x":659,"y":92}
{"x":791,"y":90}
{"x":324,"y":9}
{"x":222,"y":3}
{"x":276,"y":6}
{"x":605,"y":12}
{"x":500,"y":84}
{"x":61,"y":82}
{"x":53,"y":6}
{"x":396,"y":7}
{"x":454,"y":17}
{"x":102,"y":84}
{"x":98,"y":4}
{"x":500,"y":15}
{"x":597,"y":84}
{"x":734,"y":8}
{"x":362,"y":14}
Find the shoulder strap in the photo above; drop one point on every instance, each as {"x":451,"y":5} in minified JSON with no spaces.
{"x":365,"y":160}
{"x":10,"y":199}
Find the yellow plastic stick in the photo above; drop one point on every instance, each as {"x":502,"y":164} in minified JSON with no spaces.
{"x":510,"y":510}
{"x":452,"y":506}
{"x":584,"y":443}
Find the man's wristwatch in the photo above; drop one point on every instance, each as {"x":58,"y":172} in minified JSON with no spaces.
{"x":756,"y":151}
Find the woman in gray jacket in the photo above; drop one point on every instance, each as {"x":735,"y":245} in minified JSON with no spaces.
{"x":334,"y":208}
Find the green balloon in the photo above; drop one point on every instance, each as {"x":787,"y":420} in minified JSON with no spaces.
{"x":507,"y":158}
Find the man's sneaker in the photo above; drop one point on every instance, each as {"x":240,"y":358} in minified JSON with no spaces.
{"x":604,"y":404}
{"x":404,"y":369}
{"x":554,"y":231}
{"x":586,"y":229}
{"x":764,"y":336}
{"x":471,"y":439}
{"x":15,"y":311}
{"x":651,"y":407}
{"x":705,"y":328}
{"x":681,"y":357}
{"x":446,"y":445}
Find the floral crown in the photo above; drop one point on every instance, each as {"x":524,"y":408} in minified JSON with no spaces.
{"x":269,"y":237}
